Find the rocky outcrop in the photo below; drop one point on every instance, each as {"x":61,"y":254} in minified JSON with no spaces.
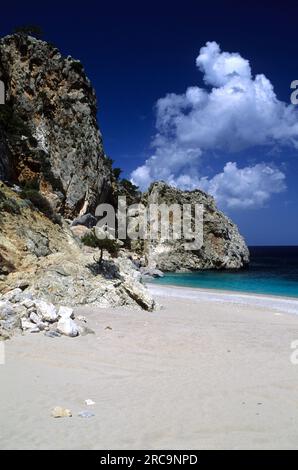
{"x":53,"y":136}
{"x":47,"y":262}
{"x":223,"y":246}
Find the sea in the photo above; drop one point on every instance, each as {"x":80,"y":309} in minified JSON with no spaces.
{"x":273,"y":270}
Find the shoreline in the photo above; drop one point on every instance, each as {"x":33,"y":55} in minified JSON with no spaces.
{"x":284,"y":304}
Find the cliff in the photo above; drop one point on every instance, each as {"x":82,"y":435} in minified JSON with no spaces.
{"x":223,"y":246}
{"x":49,"y":126}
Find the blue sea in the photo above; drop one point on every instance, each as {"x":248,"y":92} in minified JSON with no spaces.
{"x":273,"y":270}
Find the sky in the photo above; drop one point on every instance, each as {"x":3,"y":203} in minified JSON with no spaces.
{"x":195,"y":93}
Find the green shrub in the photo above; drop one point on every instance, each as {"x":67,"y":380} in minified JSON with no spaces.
{"x":117,"y":172}
{"x":77,"y":67}
{"x":90,"y":239}
{"x":10,"y":206}
{"x":31,"y":184}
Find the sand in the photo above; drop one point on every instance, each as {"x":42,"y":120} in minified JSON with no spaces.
{"x":199,"y":373}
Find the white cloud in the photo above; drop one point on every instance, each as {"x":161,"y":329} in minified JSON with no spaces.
{"x":249,"y":187}
{"x":239,"y":112}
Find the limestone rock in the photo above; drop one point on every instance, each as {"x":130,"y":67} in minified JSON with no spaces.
{"x":151,"y":272}
{"x":82,"y":318}
{"x":46,"y":311}
{"x":35,"y":318}
{"x":12,"y":323}
{"x":27,"y":325}
{"x":59,"y":412}
{"x":65,"y":312}
{"x":6,"y":310}
{"x":74,"y":278}
{"x":67,"y":327}
{"x":14,"y":295}
{"x":28,"y":303}
{"x":223,"y":246}
{"x":80,"y":230}
{"x":19,"y":247}
{"x":57,"y":104}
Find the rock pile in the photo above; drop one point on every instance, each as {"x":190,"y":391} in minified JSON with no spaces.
{"x":19,"y":311}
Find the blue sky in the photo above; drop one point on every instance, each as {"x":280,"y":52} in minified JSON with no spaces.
{"x":139,"y":53}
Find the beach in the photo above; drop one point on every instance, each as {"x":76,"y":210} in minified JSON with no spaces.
{"x":206,"y":370}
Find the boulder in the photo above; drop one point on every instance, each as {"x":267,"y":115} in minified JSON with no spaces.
{"x":35,"y":318}
{"x":65,"y":312}
{"x":151,"y":272}
{"x":86,"y":220}
{"x":27,"y":325}
{"x":80,"y":230}
{"x":6,"y":310}
{"x":47,"y":311}
{"x":13,"y":296}
{"x":59,"y":412}
{"x":67,"y":327}
{"x":28,"y":303}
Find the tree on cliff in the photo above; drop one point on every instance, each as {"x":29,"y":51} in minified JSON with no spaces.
{"x":109,"y":244}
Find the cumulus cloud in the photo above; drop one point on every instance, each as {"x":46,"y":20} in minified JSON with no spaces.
{"x":235,"y":112}
{"x":249,"y":187}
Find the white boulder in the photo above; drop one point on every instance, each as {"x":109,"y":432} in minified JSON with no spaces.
{"x":35,"y":318}
{"x":13,"y":296}
{"x":6,"y":309}
{"x":47,"y":311}
{"x":66,"y":312}
{"x":27,"y":325}
{"x":67,"y":327}
{"x":28,"y":303}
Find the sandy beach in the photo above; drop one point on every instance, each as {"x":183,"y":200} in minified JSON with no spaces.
{"x":202,"y":372}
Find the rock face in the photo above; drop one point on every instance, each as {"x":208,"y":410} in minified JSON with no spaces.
{"x":60,"y":144}
{"x":47,"y":262}
{"x":223,"y":246}
{"x":5,"y":157}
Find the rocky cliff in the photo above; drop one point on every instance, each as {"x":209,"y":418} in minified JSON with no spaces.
{"x":223,"y":246}
{"x":49,"y":126}
{"x":45,"y":260}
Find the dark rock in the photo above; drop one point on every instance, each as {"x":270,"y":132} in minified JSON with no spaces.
{"x":88,"y":220}
{"x":151,"y":272}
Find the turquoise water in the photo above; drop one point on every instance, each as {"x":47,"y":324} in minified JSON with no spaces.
{"x":273,"y":270}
